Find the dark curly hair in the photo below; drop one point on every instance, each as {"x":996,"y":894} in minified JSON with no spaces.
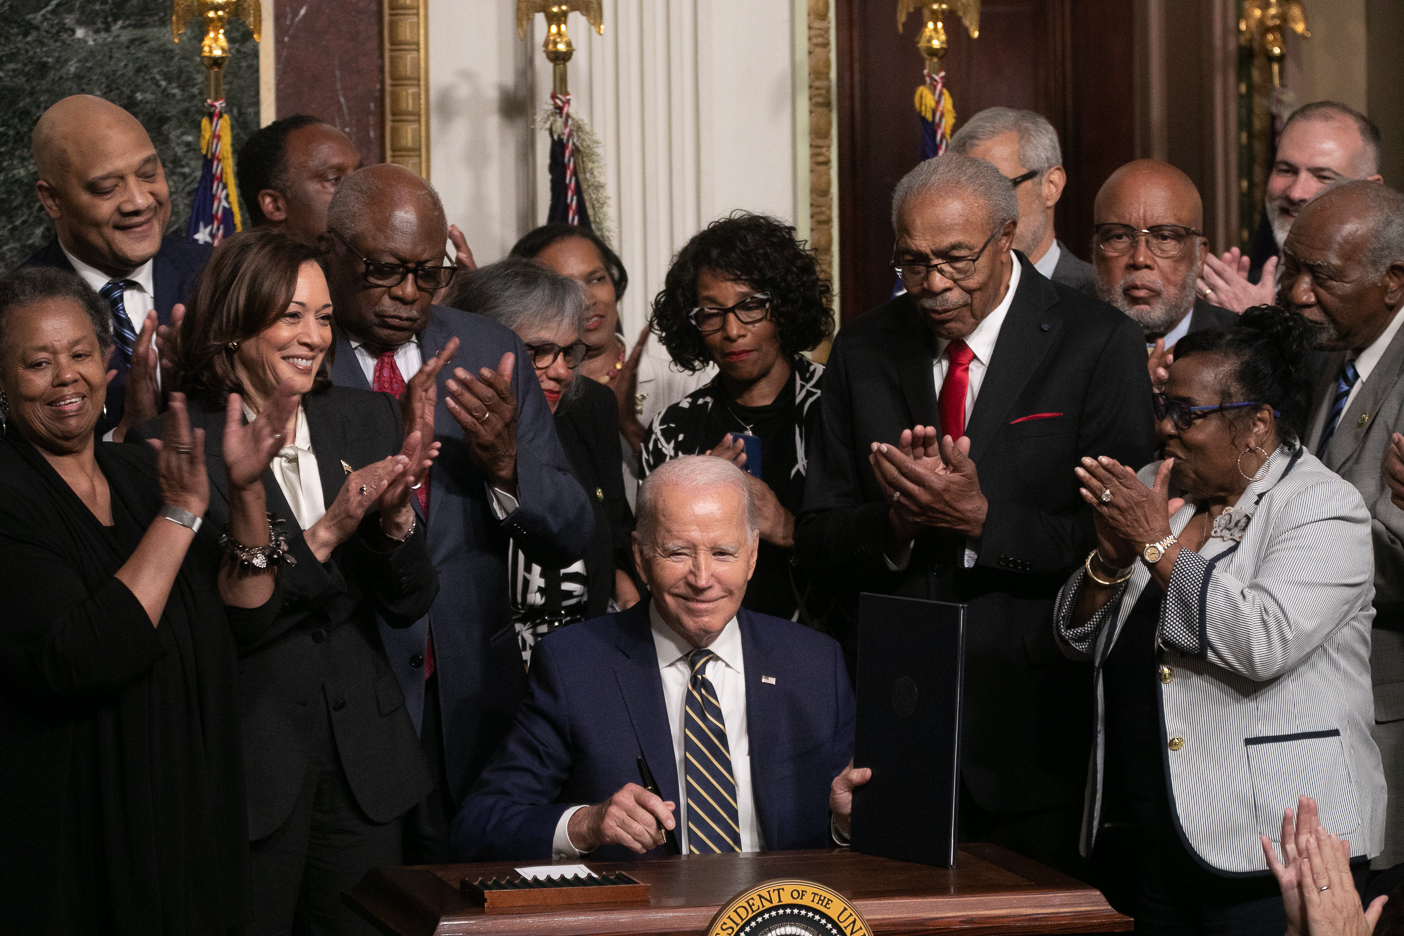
{"x":1269,"y":349}
{"x":533,"y":242}
{"x":763,"y":253}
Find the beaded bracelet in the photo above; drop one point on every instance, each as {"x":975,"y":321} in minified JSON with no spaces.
{"x":259,"y":558}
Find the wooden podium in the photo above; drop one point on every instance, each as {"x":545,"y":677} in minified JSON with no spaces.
{"x":989,"y":891}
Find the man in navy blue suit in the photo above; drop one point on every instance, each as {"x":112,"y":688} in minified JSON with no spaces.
{"x":101,"y":182}
{"x":745,"y":720}
{"x":501,"y":475}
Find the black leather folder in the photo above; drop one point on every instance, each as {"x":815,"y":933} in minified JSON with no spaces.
{"x":911,"y":657}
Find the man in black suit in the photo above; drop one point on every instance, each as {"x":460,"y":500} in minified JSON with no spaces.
{"x":101,"y":182}
{"x":1019,"y":378}
{"x":1024,"y":146}
{"x":1151,"y":276}
{"x":501,"y":474}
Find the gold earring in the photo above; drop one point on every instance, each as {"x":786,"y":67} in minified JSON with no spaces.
{"x":233,"y":346}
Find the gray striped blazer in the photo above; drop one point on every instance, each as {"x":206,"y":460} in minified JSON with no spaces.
{"x":1264,"y":648}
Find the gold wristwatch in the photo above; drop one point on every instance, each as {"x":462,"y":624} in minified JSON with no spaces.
{"x":1154,"y":551}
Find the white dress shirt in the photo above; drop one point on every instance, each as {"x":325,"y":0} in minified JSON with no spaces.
{"x":137,"y":300}
{"x":1368,"y":358}
{"x":727,"y":672}
{"x":1173,"y":336}
{"x":295,"y":470}
{"x":1049,"y":261}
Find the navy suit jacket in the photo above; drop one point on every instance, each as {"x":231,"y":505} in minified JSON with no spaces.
{"x":479,"y":665}
{"x":596,"y":703}
{"x":175,"y":269}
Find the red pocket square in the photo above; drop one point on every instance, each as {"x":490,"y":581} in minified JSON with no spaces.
{"x":1035,"y":416}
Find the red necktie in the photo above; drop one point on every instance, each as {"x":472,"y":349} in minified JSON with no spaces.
{"x":388,"y":379}
{"x":954,"y":387}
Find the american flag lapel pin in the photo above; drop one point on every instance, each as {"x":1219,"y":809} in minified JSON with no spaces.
{"x":768,"y":680}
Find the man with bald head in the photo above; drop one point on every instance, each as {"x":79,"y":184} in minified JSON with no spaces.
{"x":1148,"y":247}
{"x":1343,"y":269}
{"x":501,"y":473}
{"x":953,"y":418}
{"x":101,"y":182}
{"x":1322,"y":143}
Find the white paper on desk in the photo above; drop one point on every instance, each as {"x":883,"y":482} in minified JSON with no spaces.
{"x":541,"y":872}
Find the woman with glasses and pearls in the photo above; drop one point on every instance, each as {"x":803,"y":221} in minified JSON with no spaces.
{"x":547,"y":311}
{"x":1227,"y":609}
{"x":745,"y":295}
{"x":331,"y":756}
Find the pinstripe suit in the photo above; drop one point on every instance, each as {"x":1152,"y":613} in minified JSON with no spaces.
{"x":1264,"y":647}
{"x":1356,"y":452}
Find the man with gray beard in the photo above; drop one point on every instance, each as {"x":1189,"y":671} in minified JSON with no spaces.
{"x":1148,"y":246}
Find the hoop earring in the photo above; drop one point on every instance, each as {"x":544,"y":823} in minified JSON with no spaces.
{"x":1239,"y":463}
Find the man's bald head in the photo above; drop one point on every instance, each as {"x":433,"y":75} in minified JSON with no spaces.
{"x":384,"y":214}
{"x":102,"y":182}
{"x":1155,"y":290}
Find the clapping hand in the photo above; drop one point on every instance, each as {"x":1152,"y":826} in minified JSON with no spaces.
{"x":1224,"y":281}
{"x":930,"y":486}
{"x":486,"y":408}
{"x":1126,"y":514}
{"x":422,"y":392}
{"x":359,"y":493}
{"x":1318,"y":891}
{"x":396,"y":511}
{"x":142,"y":398}
{"x":248,"y":449}
{"x":1158,"y":363}
{"x":180,"y":462}
{"x":626,"y":389}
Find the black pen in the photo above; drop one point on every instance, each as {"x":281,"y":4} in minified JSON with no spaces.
{"x":651,"y":786}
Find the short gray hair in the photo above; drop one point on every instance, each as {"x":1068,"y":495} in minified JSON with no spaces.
{"x":693,"y":473}
{"x":1038,"y":141}
{"x":1335,"y":110}
{"x":350,"y":204}
{"x":964,"y":173}
{"x":524,"y":296}
{"x":1383,"y":217}
{"x":32,"y":285}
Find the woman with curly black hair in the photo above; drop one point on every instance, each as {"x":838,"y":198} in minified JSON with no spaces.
{"x":746,"y":295}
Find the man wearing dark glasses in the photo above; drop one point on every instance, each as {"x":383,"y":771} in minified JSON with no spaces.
{"x":1024,"y":146}
{"x":952,"y":420}
{"x":501,"y":472}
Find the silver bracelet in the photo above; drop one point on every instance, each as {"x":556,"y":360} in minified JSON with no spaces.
{"x":249,"y":558}
{"x":181,"y":516}
{"x":408,"y":533}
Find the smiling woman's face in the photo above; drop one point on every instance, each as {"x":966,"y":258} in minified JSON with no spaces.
{"x":54,"y":374}
{"x":294,"y":345}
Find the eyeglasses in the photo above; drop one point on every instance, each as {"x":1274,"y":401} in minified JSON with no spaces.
{"x":915,"y":272}
{"x":749,"y":311}
{"x":544,"y":355}
{"x":382,"y":273}
{"x":1166,"y":241}
{"x":1183,"y":415}
{"x":1019,"y":180}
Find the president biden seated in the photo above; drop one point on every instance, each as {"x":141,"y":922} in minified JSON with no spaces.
{"x":745,"y":720}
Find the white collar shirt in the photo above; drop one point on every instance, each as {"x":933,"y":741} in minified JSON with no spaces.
{"x":296,"y":471}
{"x":1173,"y":336}
{"x":137,"y":300}
{"x":1370,"y":357}
{"x":1049,"y":261}
{"x":407,"y":357}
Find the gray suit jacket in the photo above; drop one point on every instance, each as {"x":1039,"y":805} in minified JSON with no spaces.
{"x":1356,"y":453}
{"x":1075,"y":272}
{"x":1264,"y":650}
{"x":480,"y":673}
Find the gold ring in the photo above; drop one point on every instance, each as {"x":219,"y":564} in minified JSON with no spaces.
{"x":487,"y":414}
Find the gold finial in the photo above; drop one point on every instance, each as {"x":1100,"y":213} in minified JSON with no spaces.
{"x":1261,"y":27}
{"x":558,"y":47}
{"x":932,"y":40}
{"x":214,"y":48}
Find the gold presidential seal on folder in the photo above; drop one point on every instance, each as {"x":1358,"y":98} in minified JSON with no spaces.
{"x":788,"y":908}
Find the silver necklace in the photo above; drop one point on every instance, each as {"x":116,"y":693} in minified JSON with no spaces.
{"x":744,"y":425}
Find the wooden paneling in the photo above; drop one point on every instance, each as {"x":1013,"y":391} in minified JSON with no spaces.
{"x":1071,"y":61}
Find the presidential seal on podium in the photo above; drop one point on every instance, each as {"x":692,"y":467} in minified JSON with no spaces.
{"x":788,"y":908}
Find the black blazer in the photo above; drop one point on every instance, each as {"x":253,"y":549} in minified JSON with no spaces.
{"x":1205,"y":316}
{"x":174,"y":271}
{"x":587,"y":424}
{"x":324,"y":657}
{"x":1067,"y":379}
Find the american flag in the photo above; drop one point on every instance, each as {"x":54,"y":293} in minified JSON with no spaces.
{"x":214,"y":205}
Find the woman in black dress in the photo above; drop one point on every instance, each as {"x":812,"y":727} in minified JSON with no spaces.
{"x":547,"y":310}
{"x":746,"y":295}
{"x":332,"y":759}
{"x":122,"y":788}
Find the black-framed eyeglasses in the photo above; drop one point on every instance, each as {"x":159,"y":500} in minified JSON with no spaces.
{"x":543,"y":355}
{"x":1184,"y":415}
{"x":749,"y":311}
{"x":1019,"y":180}
{"x":383,"y":273}
{"x":915,"y":272}
{"x":1166,"y":241}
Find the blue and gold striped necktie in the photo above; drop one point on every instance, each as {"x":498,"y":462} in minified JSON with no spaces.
{"x":713,"y":823}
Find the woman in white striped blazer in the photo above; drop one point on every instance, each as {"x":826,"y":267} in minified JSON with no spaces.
{"x":1227,"y":610}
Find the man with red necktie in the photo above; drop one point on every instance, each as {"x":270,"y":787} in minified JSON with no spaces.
{"x":501,"y":472}
{"x":953,"y":417}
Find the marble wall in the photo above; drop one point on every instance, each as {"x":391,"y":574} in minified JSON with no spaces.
{"x":120,"y":50}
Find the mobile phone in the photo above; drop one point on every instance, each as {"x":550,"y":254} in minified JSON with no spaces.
{"x":753,"y":451}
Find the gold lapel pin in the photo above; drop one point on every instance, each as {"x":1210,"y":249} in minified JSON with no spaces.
{"x":1364,"y":418}
{"x":345,"y":467}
